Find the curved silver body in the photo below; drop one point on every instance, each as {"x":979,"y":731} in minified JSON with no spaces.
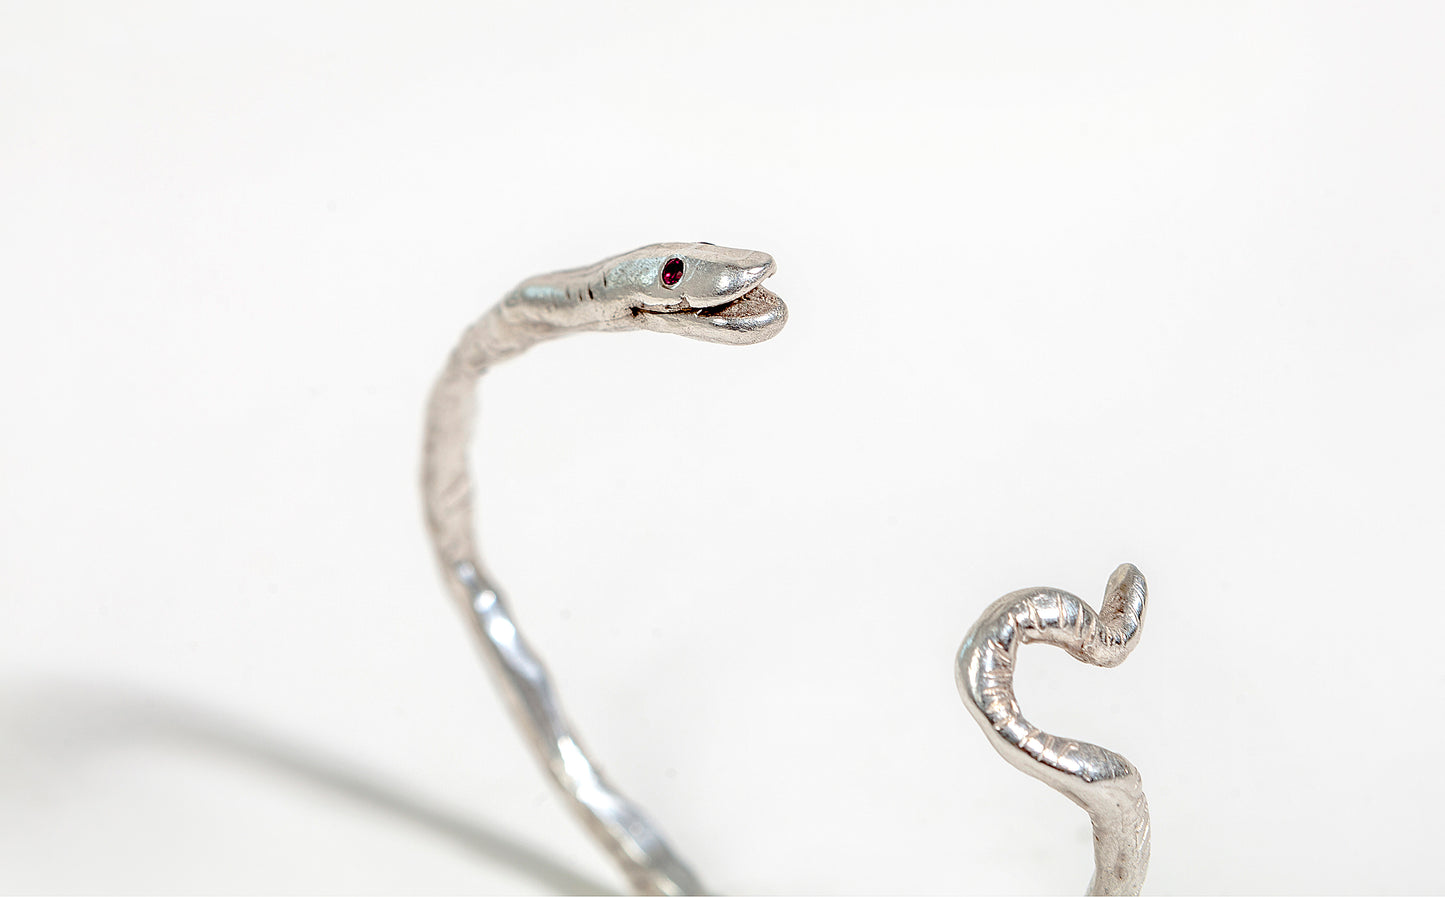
{"x":695,"y":290}
{"x":1106,"y":785}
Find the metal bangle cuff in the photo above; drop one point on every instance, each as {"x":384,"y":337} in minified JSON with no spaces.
{"x":716,"y":294}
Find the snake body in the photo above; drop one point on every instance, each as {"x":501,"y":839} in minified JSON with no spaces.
{"x":1106,"y":785}
{"x":696,"y":290}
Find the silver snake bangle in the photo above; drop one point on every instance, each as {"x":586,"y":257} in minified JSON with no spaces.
{"x":715,"y":294}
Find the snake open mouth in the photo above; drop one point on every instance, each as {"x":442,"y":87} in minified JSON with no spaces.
{"x":759,"y":302}
{"x":752,"y":317}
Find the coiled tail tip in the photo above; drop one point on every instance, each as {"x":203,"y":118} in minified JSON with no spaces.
{"x":1121,"y":616}
{"x":1127,"y":584}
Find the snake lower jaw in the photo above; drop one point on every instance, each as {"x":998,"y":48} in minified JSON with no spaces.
{"x":757,"y":315}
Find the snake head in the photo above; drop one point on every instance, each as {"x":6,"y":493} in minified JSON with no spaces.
{"x":700,"y":291}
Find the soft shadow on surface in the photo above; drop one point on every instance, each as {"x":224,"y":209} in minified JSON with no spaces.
{"x":92,"y":715}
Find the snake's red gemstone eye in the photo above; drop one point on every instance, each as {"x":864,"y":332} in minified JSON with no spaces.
{"x":671,"y":272}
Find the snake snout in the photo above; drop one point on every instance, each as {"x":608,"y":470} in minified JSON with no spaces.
{"x":719,"y":283}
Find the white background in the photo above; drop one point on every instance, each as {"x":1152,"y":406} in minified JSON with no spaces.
{"x":1070,"y":286}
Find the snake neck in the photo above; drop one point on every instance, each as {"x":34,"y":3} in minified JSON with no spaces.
{"x":539,"y":309}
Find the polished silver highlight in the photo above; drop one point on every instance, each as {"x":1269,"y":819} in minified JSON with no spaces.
{"x":1106,"y":785}
{"x":718,"y":297}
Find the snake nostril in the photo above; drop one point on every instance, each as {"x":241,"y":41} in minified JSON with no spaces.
{"x":671,"y":272}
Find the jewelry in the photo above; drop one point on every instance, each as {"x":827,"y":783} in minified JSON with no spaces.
{"x":715,"y":294}
{"x":1106,"y":785}
{"x":696,"y":290}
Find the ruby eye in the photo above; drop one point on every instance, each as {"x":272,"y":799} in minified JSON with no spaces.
{"x":671,"y":272}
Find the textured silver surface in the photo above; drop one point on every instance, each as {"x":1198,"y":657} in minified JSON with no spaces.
{"x":1106,"y":785}
{"x":717,"y":297}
